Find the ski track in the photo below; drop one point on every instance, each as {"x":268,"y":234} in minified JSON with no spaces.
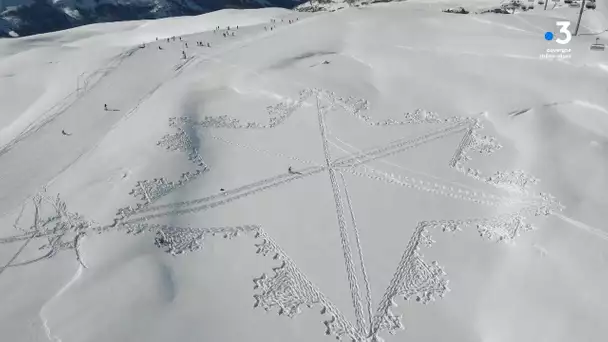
{"x":48,"y":255}
{"x":256,"y":186}
{"x":23,"y":237}
{"x":348,"y":258}
{"x":225,"y":200}
{"x":368,"y":291}
{"x":43,"y":316}
{"x":397,"y":146}
{"x":462,"y":146}
{"x":16,"y":255}
{"x":390,"y":179}
{"x":453,"y":183}
{"x":66,"y":103}
{"x":578,"y":224}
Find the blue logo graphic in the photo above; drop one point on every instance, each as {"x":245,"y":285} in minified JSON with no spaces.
{"x":549,"y":35}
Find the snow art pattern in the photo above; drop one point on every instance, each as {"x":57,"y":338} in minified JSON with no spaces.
{"x":286,"y":289}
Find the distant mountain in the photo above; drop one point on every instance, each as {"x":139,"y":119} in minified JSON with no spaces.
{"x":27,"y":17}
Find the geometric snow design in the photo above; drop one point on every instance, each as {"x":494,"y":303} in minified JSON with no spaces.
{"x":287,"y":289}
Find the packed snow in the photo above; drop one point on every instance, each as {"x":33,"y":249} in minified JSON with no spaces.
{"x":381,"y":172}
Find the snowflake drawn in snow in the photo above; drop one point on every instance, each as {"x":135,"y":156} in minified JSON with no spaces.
{"x":287,"y":289}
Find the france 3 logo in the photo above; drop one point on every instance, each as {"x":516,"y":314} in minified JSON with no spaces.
{"x":564,"y":25}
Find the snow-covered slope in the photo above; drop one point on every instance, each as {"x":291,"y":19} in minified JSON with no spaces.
{"x":305,"y":165}
{"x":27,"y":17}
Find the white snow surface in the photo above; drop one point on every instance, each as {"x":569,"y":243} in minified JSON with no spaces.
{"x":400,"y":123}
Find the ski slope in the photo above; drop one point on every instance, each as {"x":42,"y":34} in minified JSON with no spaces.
{"x":387,"y":172}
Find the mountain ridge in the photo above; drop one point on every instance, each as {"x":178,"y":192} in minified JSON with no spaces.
{"x":25,"y":18}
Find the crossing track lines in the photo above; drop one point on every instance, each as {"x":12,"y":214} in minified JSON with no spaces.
{"x":397,"y":146}
{"x":193,"y":206}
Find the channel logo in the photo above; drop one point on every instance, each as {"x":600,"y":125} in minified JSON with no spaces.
{"x":564,"y":25}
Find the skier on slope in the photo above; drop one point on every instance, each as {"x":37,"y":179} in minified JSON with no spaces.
{"x":105,"y":106}
{"x":291,"y":171}
{"x":64,"y":133}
